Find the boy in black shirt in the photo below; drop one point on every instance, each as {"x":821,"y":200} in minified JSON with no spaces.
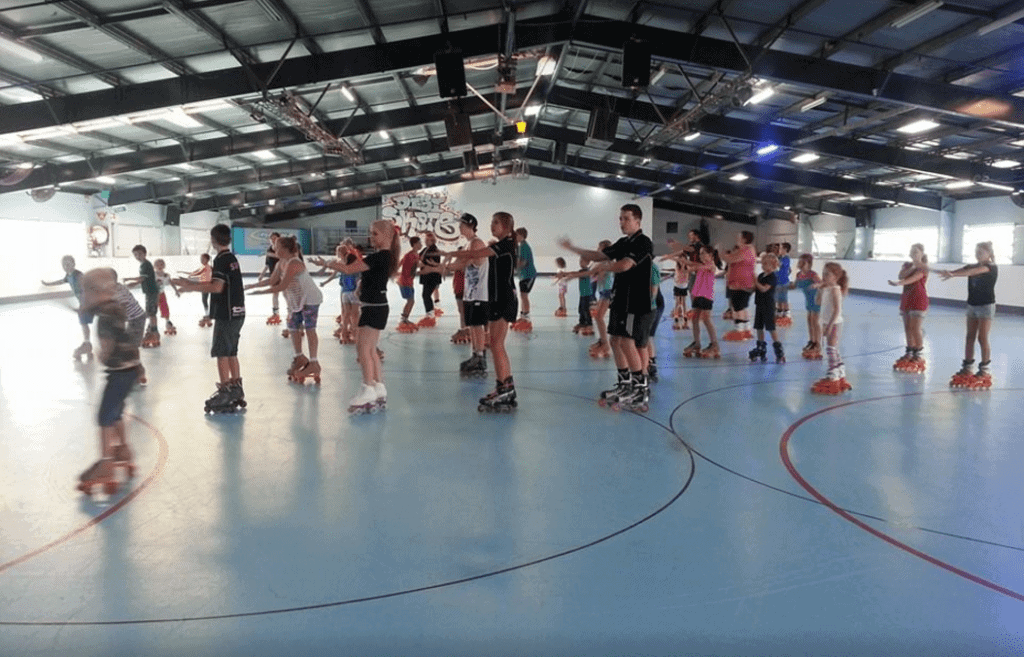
{"x":629,"y":322}
{"x":764,"y":310}
{"x":147,"y":277}
{"x":227,"y":308}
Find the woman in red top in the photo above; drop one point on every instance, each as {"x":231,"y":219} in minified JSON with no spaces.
{"x":739,"y":284}
{"x":913,"y":306}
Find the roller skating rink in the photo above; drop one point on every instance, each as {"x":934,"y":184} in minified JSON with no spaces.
{"x":740,"y":515}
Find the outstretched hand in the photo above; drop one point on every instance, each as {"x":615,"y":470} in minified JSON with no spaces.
{"x":945,"y":275}
{"x":565,"y":243}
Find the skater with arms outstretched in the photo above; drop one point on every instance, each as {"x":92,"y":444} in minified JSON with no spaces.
{"x":981,"y":308}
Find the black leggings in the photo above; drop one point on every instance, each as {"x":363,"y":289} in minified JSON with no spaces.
{"x":430,"y":283}
{"x":206,"y":302}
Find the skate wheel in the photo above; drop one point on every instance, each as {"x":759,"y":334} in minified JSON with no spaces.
{"x":481,"y":408}
{"x":602,"y":402}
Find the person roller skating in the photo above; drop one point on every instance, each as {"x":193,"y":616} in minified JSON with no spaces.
{"x":981,"y":309}
{"x":835,"y":284}
{"x":430,"y":279}
{"x":692,"y":350}
{"x":759,"y":352}
{"x":740,"y":283}
{"x":711,"y":352}
{"x":913,"y":306}
{"x":780,"y":354}
{"x":365,"y":402}
{"x":703,"y":293}
{"x":474,"y":367}
{"x":527,"y":277}
{"x":782,"y":317}
{"x":764,"y":310}
{"x":636,"y":397}
{"x":119,"y":352}
{"x":807,"y":281}
{"x":269,"y":265}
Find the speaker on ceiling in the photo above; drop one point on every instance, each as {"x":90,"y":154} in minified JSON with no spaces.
{"x":451,"y":73}
{"x":602,"y":127}
{"x":459,"y":132}
{"x":636,"y":64}
{"x":173,"y":216}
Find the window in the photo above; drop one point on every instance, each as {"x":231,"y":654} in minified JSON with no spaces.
{"x":895,"y":243}
{"x":1001,"y":236}
{"x":823,"y":244}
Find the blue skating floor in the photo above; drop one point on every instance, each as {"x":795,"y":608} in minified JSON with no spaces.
{"x":741,"y":516}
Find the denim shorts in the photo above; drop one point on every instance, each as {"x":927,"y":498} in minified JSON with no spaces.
{"x":304,"y":319}
{"x":119,"y":384}
{"x":407,"y":292}
{"x":988,"y":311}
{"x":225,"y":337}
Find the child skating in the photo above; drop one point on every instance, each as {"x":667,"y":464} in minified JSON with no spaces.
{"x":269,"y":266}
{"x":808,"y":282}
{"x":375,"y":270}
{"x":782,"y":317}
{"x":527,"y":277}
{"x":476,"y":272}
{"x":119,"y":352}
{"x":739,"y":281}
{"x":303,"y":298}
{"x":227,"y":308}
{"x":563,"y":287}
{"x":764,"y":311}
{"x":834,"y":286}
{"x":981,"y":309}
{"x":203,"y":275}
{"x":150,"y":289}
{"x":603,"y":294}
{"x":703,"y":293}
{"x":73,"y":277}
{"x":461,"y":336}
{"x":163,"y":279}
{"x":410,"y":262}
{"x":913,"y":307}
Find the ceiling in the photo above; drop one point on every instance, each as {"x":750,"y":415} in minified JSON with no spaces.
{"x":753,"y":108}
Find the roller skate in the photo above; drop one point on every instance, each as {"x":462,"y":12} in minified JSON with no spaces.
{"x":286,"y":333}
{"x":759,"y":352}
{"x":225,"y":400}
{"x":274,"y":319}
{"x":576,"y":329}
{"x":834,"y":382}
{"x":587,"y":331}
{"x":122,"y":458}
{"x":780,"y":355}
{"x":101,"y":473}
{"x":152,"y":338}
{"x":428,"y":321}
{"x":474,"y":367}
{"x":611,"y":397}
{"x":652,"y":370}
{"x":983,"y":379}
{"x":910,"y":362}
{"x":524,"y":325}
{"x":812,"y":351}
{"x":205,"y":322}
{"x":461,"y":336}
{"x":784,"y":320}
{"x":501,"y":400}
{"x":380,"y":354}
{"x":637,"y":397}
{"x":965,"y":377}
{"x":311,"y":370}
{"x":711,"y":351}
{"x":84,"y":349}
{"x":727,"y":315}
{"x":736,"y":335}
{"x":298,"y":363}
{"x":365,"y":402}
{"x":561,"y":312}
{"x":170,"y":329}
{"x":599,"y":350}
{"x":437,"y":311}
{"x":692,"y":350}
{"x":382,"y":396}
{"x":405,"y":326}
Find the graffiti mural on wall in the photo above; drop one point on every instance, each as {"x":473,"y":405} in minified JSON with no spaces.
{"x":423,"y":211}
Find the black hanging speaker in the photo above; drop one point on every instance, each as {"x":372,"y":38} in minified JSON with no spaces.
{"x":451,"y":74}
{"x":173,"y":216}
{"x":459,"y":132}
{"x":636,"y":64}
{"x":602,"y":127}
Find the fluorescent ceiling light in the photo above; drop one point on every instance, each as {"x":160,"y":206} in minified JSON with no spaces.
{"x":761,"y":95}
{"x":915,"y":189}
{"x":20,"y":95}
{"x":690,"y":137}
{"x":186,"y":166}
{"x":1001,"y":22}
{"x":346,"y":91}
{"x":804,"y":158}
{"x":205,"y":106}
{"x":264,"y":155}
{"x":180,"y":118}
{"x":523,"y":141}
{"x":20,"y":50}
{"x":26,"y":165}
{"x":957,"y":155}
{"x":694,"y":190}
{"x":1002,"y":188}
{"x":1005,"y":164}
{"x":919,"y":126}
{"x":383,"y":134}
{"x":916,"y":12}
{"x":106,"y":180}
{"x":959,"y":184}
{"x":272,"y":202}
{"x":546,"y":66}
{"x":812,"y":103}
{"x":270,"y":9}
{"x":47,"y":133}
{"x":99,"y":124}
{"x":531,"y":110}
{"x":738,"y":177}
{"x":765,"y":150}
{"x":859,"y":197}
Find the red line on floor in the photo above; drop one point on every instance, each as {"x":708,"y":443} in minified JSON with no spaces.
{"x":157,"y":471}
{"x":784,"y":453}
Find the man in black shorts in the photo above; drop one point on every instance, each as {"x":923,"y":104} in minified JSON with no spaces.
{"x":629,"y":322}
{"x":227,"y":308}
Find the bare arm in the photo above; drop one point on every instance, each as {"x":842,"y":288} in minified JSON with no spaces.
{"x":215,"y":286}
{"x":355,"y":268}
{"x":967,"y":271}
{"x":593,"y":256}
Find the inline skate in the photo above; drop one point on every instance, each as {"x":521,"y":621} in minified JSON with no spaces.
{"x":612,"y":396}
{"x":780,"y":355}
{"x":227,"y":399}
{"x":474,"y":367}
{"x":637,"y":398}
{"x":501,"y":400}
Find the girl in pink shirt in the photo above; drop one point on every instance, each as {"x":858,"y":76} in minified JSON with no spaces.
{"x":703,"y":293}
{"x":739,"y":284}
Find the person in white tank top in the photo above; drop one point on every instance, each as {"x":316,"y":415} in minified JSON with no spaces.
{"x":834,"y":284}
{"x":304,"y":299}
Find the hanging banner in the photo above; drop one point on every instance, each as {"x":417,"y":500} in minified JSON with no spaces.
{"x":427,"y":210}
{"x":256,"y":241}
